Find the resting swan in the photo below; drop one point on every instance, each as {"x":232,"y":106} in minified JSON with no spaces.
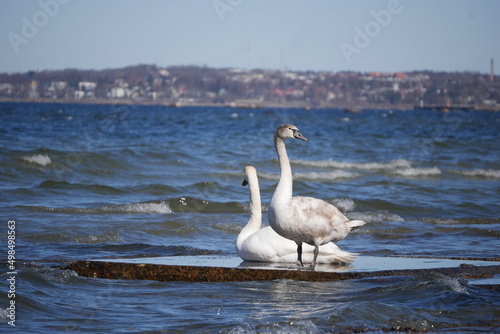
{"x":265,"y":245}
{"x":303,"y":219}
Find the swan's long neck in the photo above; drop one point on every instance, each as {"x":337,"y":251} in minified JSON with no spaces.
{"x":284,"y":189}
{"x":255,"y":217}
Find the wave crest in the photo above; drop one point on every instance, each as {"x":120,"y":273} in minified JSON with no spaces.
{"x":415,"y":172}
{"x":344,"y":204}
{"x":131,"y":208}
{"x":38,"y":159}
{"x":161,"y":207}
{"x":397,"y":163}
{"x":483,"y":173}
{"x":313,"y":176}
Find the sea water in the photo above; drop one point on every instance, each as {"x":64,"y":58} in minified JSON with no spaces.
{"x":113,"y":181}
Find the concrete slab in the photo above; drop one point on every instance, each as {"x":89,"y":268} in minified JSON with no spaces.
{"x":226,"y":268}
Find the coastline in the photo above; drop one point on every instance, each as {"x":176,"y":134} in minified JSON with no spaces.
{"x":242,"y":104}
{"x":250,"y":104}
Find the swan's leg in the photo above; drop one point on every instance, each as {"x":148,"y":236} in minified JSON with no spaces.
{"x":299,"y":253}
{"x":316,"y":251}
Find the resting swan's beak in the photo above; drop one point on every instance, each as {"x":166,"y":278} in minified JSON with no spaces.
{"x":245,"y":182}
{"x":298,"y":135}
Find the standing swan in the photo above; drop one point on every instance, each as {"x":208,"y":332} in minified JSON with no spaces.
{"x":303,"y":219}
{"x":265,"y":245}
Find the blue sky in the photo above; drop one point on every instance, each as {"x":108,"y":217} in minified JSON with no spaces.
{"x":320,"y":35}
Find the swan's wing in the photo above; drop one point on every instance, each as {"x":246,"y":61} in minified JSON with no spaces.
{"x":267,"y":245}
{"x":314,"y":209}
{"x":317,"y":221}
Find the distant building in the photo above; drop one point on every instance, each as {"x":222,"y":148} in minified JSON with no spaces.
{"x":33,"y":92}
{"x":119,"y":92}
{"x":6,"y":88}
{"x":86,"y":86}
{"x":59,"y":85}
{"x":78,"y":94}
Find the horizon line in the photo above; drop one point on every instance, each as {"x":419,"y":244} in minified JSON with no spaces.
{"x":244,"y":69}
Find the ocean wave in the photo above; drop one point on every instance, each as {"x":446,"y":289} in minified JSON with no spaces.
{"x":375,"y":216}
{"x":94,"y":188}
{"x":463,"y":221}
{"x":143,"y":250}
{"x":174,"y":205}
{"x":393,"y":164}
{"x":313,"y":176}
{"x":482,"y":173}
{"x":92,"y":239}
{"x":269,"y":176}
{"x":416,"y":172}
{"x":197,"y":205}
{"x":327,"y":176}
{"x":88,"y":239}
{"x":161,"y":207}
{"x":132,"y":208}
{"x":344,"y":204}
{"x":38,"y":159}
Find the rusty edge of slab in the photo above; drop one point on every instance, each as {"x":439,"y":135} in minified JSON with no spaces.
{"x":156,"y":272}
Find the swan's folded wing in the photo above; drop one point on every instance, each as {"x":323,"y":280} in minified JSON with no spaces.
{"x":313,"y":208}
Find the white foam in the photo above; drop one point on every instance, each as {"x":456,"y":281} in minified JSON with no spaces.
{"x":161,"y":207}
{"x":375,"y":216}
{"x":393,"y":164}
{"x":4,"y":313}
{"x":414,"y":172}
{"x":38,"y":159}
{"x":327,"y":176}
{"x":455,"y":284}
{"x":313,"y":176}
{"x":486,"y":173}
{"x":92,"y":239}
{"x":344,"y":204}
{"x":445,"y":221}
{"x":269,"y":176}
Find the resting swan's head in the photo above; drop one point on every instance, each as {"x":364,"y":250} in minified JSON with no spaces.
{"x":250,"y":174}
{"x":285,"y":131}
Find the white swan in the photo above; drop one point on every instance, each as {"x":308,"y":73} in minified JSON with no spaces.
{"x":265,"y":245}
{"x":303,"y":219}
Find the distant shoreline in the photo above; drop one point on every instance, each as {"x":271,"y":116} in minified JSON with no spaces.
{"x":353,"y":108}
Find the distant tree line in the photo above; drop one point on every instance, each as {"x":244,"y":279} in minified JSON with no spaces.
{"x":194,"y":84}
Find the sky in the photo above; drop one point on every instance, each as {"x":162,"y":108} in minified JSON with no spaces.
{"x":295,"y":35}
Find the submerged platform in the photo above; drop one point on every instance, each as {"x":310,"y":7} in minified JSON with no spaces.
{"x":225,"y":268}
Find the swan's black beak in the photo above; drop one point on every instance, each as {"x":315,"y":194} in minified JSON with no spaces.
{"x":245,"y":182}
{"x":298,"y":135}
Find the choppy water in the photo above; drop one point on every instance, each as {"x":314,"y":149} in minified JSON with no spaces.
{"x":91,"y":181}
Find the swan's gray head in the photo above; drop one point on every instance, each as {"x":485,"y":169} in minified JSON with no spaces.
{"x":285,"y":131}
